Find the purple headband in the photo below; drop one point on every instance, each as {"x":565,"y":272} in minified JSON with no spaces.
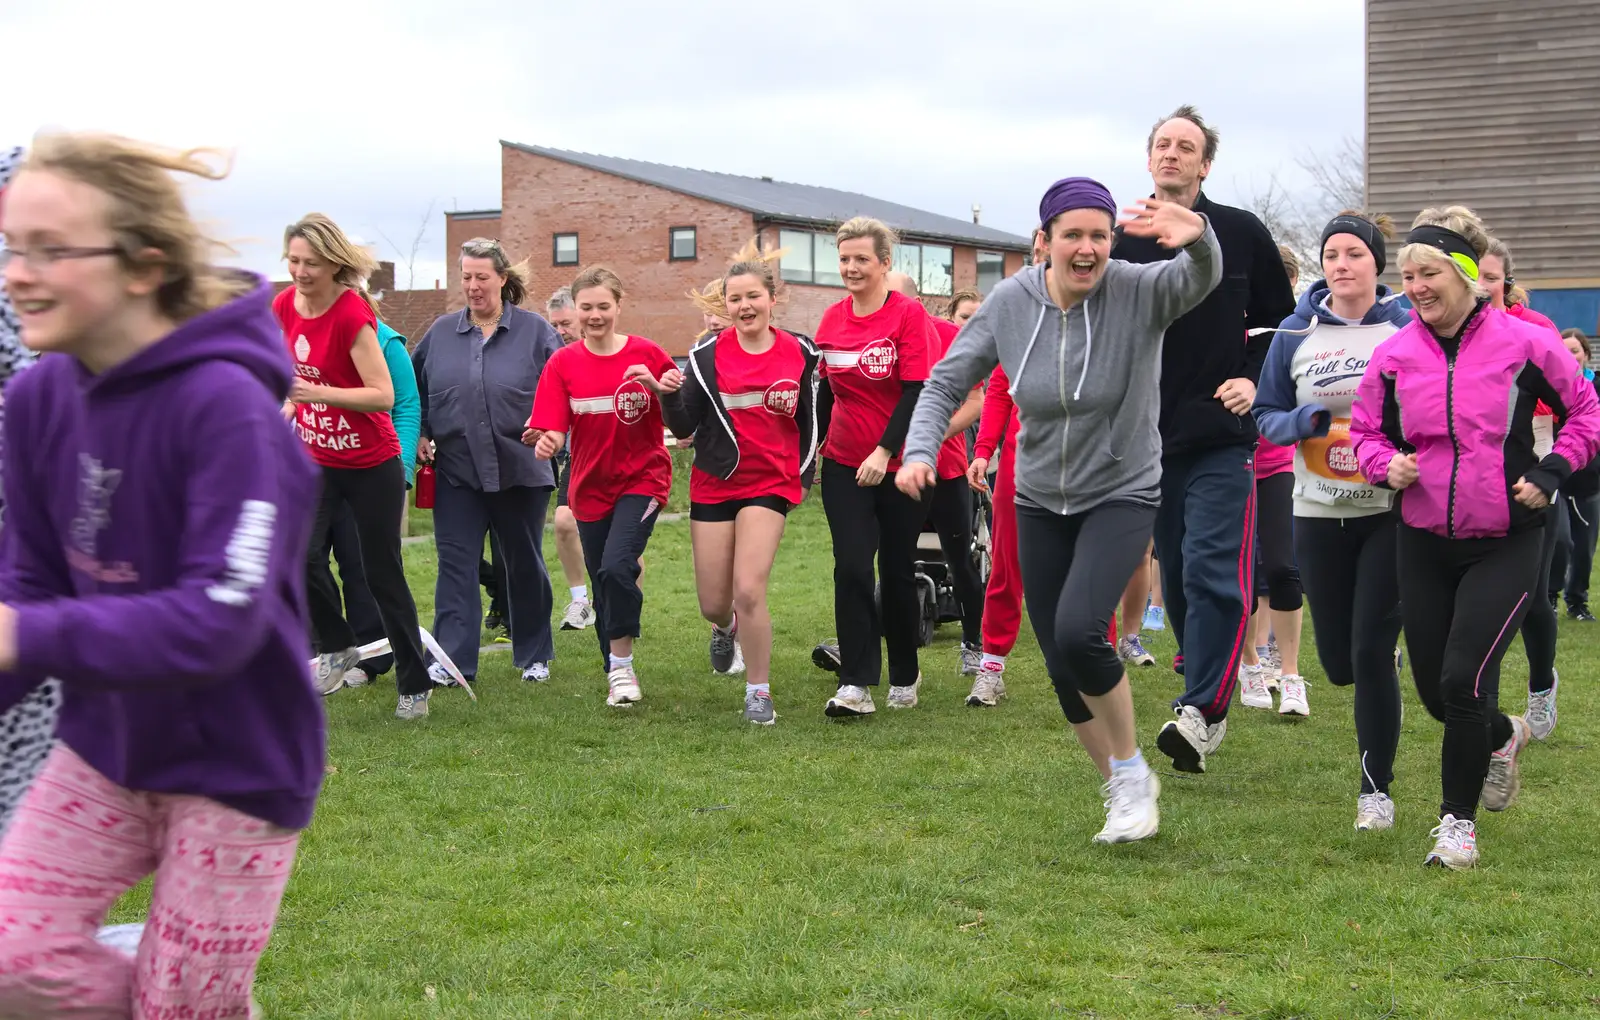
{"x":1071,"y":193}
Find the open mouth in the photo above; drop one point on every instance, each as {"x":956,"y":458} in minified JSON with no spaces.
{"x":34,"y":308}
{"x":1081,"y":269}
{"x":748,"y":318}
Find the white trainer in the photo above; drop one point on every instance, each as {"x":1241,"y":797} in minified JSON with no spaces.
{"x":1455,"y":844}
{"x":624,"y":688}
{"x":1184,"y":740}
{"x":848,"y":701}
{"x":1293,"y":699}
{"x":537,"y":673}
{"x":988,"y":688}
{"x":1131,"y":810}
{"x":355,"y":676}
{"x":1374,"y":811}
{"x":1504,"y":779}
{"x":905,"y":697}
{"x":578,"y":616}
{"x":1541,"y":710}
{"x":1253,"y":691}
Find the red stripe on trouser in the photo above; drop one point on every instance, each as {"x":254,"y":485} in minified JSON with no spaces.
{"x":1247,"y":559}
{"x":1002,"y":599}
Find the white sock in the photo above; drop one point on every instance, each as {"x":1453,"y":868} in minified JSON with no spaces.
{"x":998,"y":661}
{"x":580,"y":592}
{"x":1135,"y":764}
{"x":621,"y":662}
{"x":761,"y":688}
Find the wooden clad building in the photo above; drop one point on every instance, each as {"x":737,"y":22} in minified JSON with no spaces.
{"x":1495,"y":106}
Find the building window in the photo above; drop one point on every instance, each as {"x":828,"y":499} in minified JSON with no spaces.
{"x":991,"y":270}
{"x":566,"y":249}
{"x":931,"y":265}
{"x":681,"y":244}
{"x":809,"y":258}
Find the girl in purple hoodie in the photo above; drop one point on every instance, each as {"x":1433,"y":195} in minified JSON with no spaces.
{"x":155,"y":569}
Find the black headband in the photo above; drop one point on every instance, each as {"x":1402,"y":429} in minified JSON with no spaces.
{"x":1369,"y":234}
{"x":1451,"y":243}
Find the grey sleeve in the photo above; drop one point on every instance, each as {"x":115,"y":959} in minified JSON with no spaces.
{"x":1181,"y":283}
{"x":972,"y":357}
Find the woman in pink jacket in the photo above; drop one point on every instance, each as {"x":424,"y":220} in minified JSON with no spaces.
{"x":1431,"y":420}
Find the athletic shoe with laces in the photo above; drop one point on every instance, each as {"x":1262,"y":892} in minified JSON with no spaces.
{"x":412,"y":706}
{"x":1580,"y":611}
{"x":1131,"y":650}
{"x":758,"y":708}
{"x":579,"y":615}
{"x":537,"y":673}
{"x":439,"y":675}
{"x":1455,"y":844}
{"x":1131,"y":806}
{"x":1184,"y":740}
{"x":1374,"y":811}
{"x":355,"y":676}
{"x":971,"y":659}
{"x":332,"y":667}
{"x":1272,"y":659}
{"x":989,"y":687}
{"x":1253,"y":691}
{"x":826,"y":656}
{"x":906,"y":696}
{"x":1214,"y":734}
{"x":623,"y":687}
{"x":1155,"y":618}
{"x":1500,"y":786}
{"x":1293,"y":699}
{"x":726,"y":656}
{"x":1541,"y":710}
{"x":850,"y":700}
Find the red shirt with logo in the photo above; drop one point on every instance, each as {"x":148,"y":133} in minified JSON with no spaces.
{"x":613,"y":425}
{"x":761,"y":393}
{"x":865,"y":359}
{"x":320,"y":347}
{"x":953,"y":454}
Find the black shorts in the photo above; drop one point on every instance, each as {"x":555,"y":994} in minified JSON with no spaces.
{"x":728,"y":511}
{"x":563,"y":476}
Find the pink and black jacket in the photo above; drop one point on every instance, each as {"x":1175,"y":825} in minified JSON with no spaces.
{"x":1465,"y":407}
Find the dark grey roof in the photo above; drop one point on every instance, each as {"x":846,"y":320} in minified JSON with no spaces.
{"x":791,"y":203}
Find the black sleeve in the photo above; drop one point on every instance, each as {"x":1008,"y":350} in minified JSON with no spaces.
{"x":894,"y":434}
{"x":684,"y":410}
{"x":824,"y":409}
{"x":419,"y":365}
{"x":1554,"y":470}
{"x":1271,"y":298}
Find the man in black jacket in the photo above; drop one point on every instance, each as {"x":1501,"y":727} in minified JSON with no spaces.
{"x":1206,"y":526}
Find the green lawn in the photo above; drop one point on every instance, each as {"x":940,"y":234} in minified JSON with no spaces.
{"x":538,"y":854}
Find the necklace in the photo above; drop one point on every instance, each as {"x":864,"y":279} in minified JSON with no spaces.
{"x":484,"y":324}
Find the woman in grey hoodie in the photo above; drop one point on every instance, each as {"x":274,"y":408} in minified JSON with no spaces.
{"x":1080,"y":339}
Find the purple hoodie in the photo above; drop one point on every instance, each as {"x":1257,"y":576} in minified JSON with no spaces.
{"x":157,"y":518}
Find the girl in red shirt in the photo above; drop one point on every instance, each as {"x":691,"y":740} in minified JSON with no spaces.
{"x":340,"y":407}
{"x":750,"y":401}
{"x":606,"y":392}
{"x":875,"y":346}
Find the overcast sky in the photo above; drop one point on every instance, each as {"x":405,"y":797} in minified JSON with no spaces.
{"x":372,"y":111}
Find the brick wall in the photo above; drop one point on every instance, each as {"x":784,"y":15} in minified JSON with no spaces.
{"x":459,"y":228}
{"x":621,"y":224}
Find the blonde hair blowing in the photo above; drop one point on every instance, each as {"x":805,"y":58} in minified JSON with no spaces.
{"x":352,"y":265}
{"x":145,"y":210}
{"x":1515,"y":295}
{"x":883,"y":239}
{"x":709,"y":299}
{"x":1464,"y":222}
{"x":750,"y":260}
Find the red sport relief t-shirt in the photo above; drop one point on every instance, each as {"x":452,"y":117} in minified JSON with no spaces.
{"x":953,"y":454}
{"x":320,"y":347}
{"x":613,"y":424}
{"x":762,"y":395}
{"x":866,"y":358}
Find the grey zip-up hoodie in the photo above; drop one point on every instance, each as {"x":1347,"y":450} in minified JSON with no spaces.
{"x":1086,"y":382}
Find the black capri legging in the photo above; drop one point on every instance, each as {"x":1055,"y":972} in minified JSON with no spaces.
{"x":1074,"y":570}
{"x":1279,"y":578}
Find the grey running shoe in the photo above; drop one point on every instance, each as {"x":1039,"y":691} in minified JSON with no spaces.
{"x":1184,"y":740}
{"x":1541,"y":710}
{"x":758,"y":708}
{"x":332,"y":667}
{"x":724,"y":650}
{"x":971,"y":660}
{"x":1131,"y":651}
{"x":1500,"y":786}
{"x":826,"y":656}
{"x":412,"y":706}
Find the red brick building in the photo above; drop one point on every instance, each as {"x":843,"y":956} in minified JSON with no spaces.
{"x":666,"y":230}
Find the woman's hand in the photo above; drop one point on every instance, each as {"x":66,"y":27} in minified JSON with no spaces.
{"x":873,"y":469}
{"x":1402,"y":470}
{"x":289,"y":408}
{"x":546,"y":444}
{"x":302,"y":392}
{"x":1169,"y":223}
{"x":425,"y":450}
{"x":670,"y":382}
{"x":912,"y":478}
{"x":1529,"y":495}
{"x":978,"y":475}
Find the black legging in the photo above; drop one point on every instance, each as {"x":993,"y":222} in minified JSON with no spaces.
{"x":951,"y":516}
{"x":1462,"y":601}
{"x":1275,"y":545}
{"x":1074,"y":571}
{"x":1539,"y":626}
{"x":1350,"y":572}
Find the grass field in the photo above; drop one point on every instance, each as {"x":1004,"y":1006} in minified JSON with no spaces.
{"x":539,"y":854}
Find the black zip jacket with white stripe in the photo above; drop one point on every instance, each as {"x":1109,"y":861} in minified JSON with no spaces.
{"x":697,"y":409}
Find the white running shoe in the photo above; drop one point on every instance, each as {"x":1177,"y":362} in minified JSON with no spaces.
{"x":1500,"y":786}
{"x":624,"y":688}
{"x":332,"y":667}
{"x":537,"y":673}
{"x":1214,"y":734}
{"x":355,"y":676}
{"x":1184,"y":740}
{"x":579,"y":615}
{"x":1455,"y":844}
{"x":905,"y":697}
{"x":439,"y":675}
{"x":971,"y":659}
{"x":988,"y":688}
{"x":1131,"y":650}
{"x":1253,"y":691}
{"x":1374,"y":811}
{"x":1293,"y":699}
{"x":1541,"y":710}
{"x":1131,"y":811}
{"x":850,"y":700}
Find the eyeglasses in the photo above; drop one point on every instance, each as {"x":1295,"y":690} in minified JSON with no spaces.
{"x":48,"y":255}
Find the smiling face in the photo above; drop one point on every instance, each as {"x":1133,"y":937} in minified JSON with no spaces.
{"x":1492,"y":277}
{"x":1576,"y":350}
{"x":597,"y":313}
{"x":1177,"y":157}
{"x":749,"y":304}
{"x":480,"y":285}
{"x":1350,"y":269}
{"x":860,"y":266}
{"x":1080,"y":246}
{"x":1438,"y":292}
{"x":312,"y":274}
{"x":65,"y":305}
